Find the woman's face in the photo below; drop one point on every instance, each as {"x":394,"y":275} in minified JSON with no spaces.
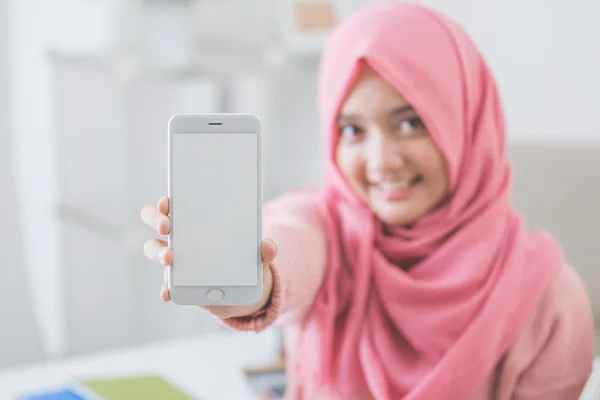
{"x":386,"y":154}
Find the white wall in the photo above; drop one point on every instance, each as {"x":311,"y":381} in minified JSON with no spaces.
{"x":545,"y":56}
{"x":37,"y":25}
{"x":19,"y":333}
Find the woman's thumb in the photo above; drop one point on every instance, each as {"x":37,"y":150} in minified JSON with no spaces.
{"x":268,"y":250}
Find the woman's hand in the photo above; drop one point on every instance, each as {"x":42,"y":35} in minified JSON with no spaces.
{"x":158,"y":251}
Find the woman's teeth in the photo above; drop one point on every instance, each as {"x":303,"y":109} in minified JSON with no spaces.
{"x":391,"y":186}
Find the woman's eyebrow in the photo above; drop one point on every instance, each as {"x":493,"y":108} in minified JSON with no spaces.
{"x":394,"y":111}
{"x":342,"y":116}
{"x":400,"y":110}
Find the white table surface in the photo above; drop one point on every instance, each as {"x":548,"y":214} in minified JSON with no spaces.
{"x":206,"y":367}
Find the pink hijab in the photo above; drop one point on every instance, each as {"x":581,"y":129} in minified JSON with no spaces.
{"x":437,"y":330}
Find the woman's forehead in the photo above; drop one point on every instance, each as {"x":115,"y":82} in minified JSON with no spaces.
{"x":369,"y":94}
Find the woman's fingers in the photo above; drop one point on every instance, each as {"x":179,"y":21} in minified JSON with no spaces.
{"x":163,"y":205}
{"x":268,"y":250}
{"x":164,"y":293}
{"x":157,"y":250}
{"x":156,"y":216}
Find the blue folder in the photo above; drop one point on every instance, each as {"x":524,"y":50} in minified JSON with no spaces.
{"x":63,"y":394}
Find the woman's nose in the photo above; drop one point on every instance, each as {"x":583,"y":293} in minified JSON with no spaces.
{"x":382,"y":154}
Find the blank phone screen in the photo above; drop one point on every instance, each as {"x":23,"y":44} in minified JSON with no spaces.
{"x":215,"y":214}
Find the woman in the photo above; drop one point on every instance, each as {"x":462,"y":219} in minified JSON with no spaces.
{"x":410,"y":276}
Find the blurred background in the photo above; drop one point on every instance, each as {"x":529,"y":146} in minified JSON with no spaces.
{"x":87,"y":88}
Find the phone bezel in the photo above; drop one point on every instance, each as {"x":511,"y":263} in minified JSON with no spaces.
{"x":226,"y":123}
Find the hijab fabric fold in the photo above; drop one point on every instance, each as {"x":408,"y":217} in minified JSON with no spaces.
{"x":435,"y":330}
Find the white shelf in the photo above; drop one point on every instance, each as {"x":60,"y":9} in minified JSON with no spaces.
{"x":217,"y":57}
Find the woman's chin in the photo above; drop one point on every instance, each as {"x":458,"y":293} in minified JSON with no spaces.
{"x":405,"y":211}
{"x":396,"y":214}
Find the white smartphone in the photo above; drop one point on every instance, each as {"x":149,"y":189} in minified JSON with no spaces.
{"x":215,"y":203}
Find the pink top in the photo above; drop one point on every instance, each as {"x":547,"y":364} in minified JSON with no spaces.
{"x":550,"y":359}
{"x":467,"y":301}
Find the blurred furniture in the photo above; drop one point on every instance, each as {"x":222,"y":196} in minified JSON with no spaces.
{"x":20,"y":340}
{"x":298,"y":28}
{"x":305,"y":25}
{"x":167,"y":32}
{"x":111,"y":138}
{"x":556,"y":188}
{"x":208,"y":367}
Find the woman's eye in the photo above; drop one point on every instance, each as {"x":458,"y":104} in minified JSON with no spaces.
{"x":411,"y":126}
{"x":350,"y":132}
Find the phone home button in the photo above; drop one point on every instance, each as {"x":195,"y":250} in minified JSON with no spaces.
{"x":214,"y":295}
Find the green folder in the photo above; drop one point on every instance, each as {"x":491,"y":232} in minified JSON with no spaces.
{"x":134,"y":388}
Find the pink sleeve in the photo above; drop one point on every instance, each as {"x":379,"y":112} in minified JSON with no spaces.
{"x":563,"y":344}
{"x":295,"y":224}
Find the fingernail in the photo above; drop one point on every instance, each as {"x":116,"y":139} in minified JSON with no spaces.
{"x":162,"y":254}
{"x":274,"y":245}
